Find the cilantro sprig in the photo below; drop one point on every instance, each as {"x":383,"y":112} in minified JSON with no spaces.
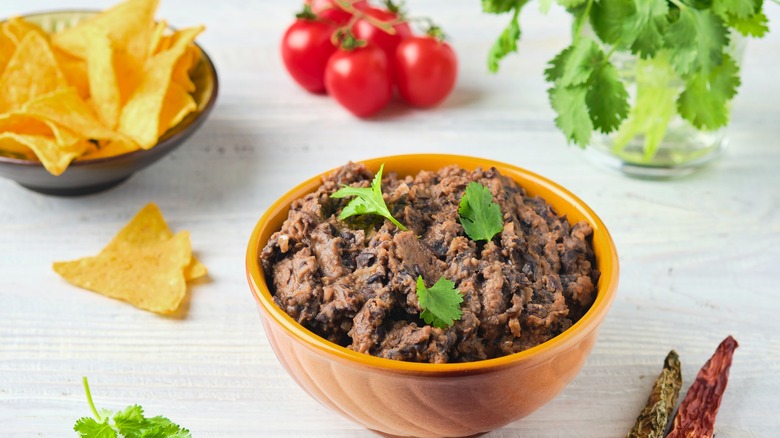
{"x":689,"y":37}
{"x":480,"y":217}
{"x":128,"y":423}
{"x":440,"y":303}
{"x":367,"y":200}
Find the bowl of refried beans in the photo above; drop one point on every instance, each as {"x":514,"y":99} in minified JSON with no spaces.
{"x":449,"y":296}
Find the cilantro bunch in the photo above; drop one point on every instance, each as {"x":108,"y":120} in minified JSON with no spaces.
{"x":677,"y":41}
{"x":128,"y":423}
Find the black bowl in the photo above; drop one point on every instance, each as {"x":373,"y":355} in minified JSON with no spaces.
{"x":90,"y":176}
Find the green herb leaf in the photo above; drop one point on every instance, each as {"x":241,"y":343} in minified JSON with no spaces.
{"x":579,"y":62}
{"x":504,"y":45}
{"x":480,"y":217}
{"x":161,"y":427}
{"x":440,"y":303}
{"x":698,"y":38}
{"x":647,"y":27}
{"x":703,"y":103}
{"x":573,"y":118}
{"x":88,"y":427}
{"x":571,"y":3}
{"x":737,"y":8}
{"x":367,"y":200}
{"x":607,"y":98}
{"x":501,"y":6}
{"x":756,"y":25}
{"x":130,"y":423}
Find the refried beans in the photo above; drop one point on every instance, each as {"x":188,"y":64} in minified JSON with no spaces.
{"x":353,"y":282}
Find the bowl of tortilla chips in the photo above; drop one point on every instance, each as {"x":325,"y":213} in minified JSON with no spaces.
{"x":88,"y":98}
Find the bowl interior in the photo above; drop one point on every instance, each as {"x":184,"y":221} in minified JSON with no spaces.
{"x":564,"y":203}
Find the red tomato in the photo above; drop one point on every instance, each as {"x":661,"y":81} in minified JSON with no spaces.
{"x":359,"y":79}
{"x":425,"y":70}
{"x":306,"y":48}
{"x":329,"y":10}
{"x":364,"y":30}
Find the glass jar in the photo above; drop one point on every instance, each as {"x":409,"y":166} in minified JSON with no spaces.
{"x":654,"y":141}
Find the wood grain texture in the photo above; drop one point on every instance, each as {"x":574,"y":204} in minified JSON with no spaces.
{"x":699,"y":255}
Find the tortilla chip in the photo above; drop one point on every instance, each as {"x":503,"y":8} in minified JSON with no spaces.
{"x":176,"y":105}
{"x":149,"y":227}
{"x":129,"y":25}
{"x":66,"y":108}
{"x":109,"y":149}
{"x":145,"y":264}
{"x":53,"y":157}
{"x":21,"y":123}
{"x":32,"y":71}
{"x":7,"y":49}
{"x":75,"y":71}
{"x":147,"y":276}
{"x":159,"y":30}
{"x":140,"y":118}
{"x":103,"y":85}
{"x":181,"y":71}
{"x":17,"y":28}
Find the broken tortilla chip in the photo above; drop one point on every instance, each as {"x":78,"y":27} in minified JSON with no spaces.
{"x":145,"y":264}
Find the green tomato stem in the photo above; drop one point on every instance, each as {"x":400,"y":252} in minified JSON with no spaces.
{"x":89,"y":399}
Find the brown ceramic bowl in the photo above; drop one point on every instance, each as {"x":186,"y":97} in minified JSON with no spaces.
{"x":432,"y":400}
{"x":90,"y":176}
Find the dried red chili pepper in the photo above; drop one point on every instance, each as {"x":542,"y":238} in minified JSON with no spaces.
{"x":696,"y":414}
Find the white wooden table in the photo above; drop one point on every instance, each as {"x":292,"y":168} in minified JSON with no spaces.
{"x":699,"y":255}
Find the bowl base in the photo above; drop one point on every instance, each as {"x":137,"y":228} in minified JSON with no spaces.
{"x":76,"y":191}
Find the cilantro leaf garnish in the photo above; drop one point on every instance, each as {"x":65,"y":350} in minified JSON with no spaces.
{"x":480,"y":217}
{"x":128,"y":423}
{"x":367,"y":200}
{"x":440,"y":303}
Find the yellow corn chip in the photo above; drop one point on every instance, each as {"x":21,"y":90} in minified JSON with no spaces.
{"x":21,"y":123}
{"x":109,"y":149}
{"x":17,"y":28}
{"x":129,"y":25}
{"x":54,"y":157}
{"x":176,"y":105}
{"x":140,"y":118}
{"x":149,"y":276}
{"x":7,"y":49}
{"x":75,"y":72}
{"x":103,"y":85}
{"x":181,"y":71}
{"x":144,"y":264}
{"x":149,"y":227}
{"x":31,"y":72}
{"x":66,"y":108}
{"x":159,"y":30}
